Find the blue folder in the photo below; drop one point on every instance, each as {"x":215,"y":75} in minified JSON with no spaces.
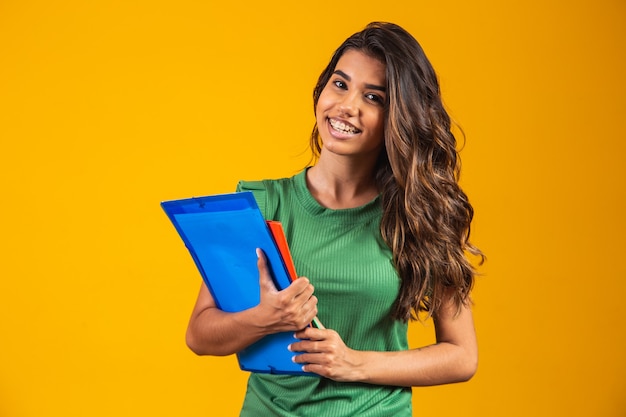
{"x":222,"y":233}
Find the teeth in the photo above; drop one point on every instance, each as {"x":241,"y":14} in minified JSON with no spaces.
{"x":342,"y":127}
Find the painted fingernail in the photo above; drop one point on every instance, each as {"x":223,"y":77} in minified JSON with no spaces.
{"x":293,"y":359}
{"x":289,"y":347}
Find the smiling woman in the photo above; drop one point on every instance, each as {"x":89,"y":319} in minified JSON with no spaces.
{"x":378,"y":228}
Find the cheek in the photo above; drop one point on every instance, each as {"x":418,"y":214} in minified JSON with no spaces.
{"x":380,"y":131}
{"x":318,"y":112}
{"x":377,"y":122}
{"x":322,"y":104}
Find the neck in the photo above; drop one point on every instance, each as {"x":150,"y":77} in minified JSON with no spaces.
{"x":339,"y":183}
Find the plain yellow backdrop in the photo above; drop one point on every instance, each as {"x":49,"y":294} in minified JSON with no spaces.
{"x":109,"y":107}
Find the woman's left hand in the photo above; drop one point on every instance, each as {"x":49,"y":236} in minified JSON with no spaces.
{"x":322,"y":351}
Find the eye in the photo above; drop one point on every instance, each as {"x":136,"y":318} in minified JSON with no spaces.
{"x":375,"y":98}
{"x":340,"y":84}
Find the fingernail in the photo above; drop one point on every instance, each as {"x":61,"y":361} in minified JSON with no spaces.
{"x":293,"y":359}
{"x":258,"y":252}
{"x":289,"y":348}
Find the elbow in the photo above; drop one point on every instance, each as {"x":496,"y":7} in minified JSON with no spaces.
{"x":196,"y":345}
{"x":468,"y":373}
{"x":192,"y":343}
{"x":467,"y":369}
{"x":203,"y":347}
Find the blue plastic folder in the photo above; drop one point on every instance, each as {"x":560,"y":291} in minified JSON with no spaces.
{"x":222,"y":233}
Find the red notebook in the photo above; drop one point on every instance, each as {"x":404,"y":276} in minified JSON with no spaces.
{"x":276,"y":228}
{"x":278,"y":233}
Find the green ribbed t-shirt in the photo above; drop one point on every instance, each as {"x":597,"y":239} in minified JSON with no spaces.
{"x":345,"y":258}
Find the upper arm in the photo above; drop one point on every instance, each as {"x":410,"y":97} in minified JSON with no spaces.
{"x":452,"y":327}
{"x":458,"y":330}
{"x":203,"y":302}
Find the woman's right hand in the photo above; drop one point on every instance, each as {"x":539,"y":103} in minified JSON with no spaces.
{"x":291,"y":309}
{"x":212,"y":331}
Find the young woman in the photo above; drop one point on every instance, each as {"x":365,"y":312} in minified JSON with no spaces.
{"x":379,"y":227}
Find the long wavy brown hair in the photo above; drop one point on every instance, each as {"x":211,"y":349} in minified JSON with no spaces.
{"x":426,"y":215}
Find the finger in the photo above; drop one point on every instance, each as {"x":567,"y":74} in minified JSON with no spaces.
{"x":308,"y":358}
{"x":306,"y":347}
{"x":301,"y":285}
{"x":316,"y":369}
{"x":311,"y":333}
{"x":265,"y":278}
{"x":308,"y":311}
{"x":303,"y":289}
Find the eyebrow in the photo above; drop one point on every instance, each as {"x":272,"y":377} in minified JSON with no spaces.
{"x":371,"y":86}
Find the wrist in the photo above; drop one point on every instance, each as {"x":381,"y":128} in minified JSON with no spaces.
{"x":254,"y":321}
{"x":363,"y":366}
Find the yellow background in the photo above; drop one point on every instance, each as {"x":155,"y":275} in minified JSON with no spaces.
{"x":109,"y":107}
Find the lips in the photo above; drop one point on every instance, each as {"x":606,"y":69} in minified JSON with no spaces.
{"x":343,"y":127}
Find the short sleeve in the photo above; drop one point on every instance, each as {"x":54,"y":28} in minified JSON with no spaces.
{"x":258,"y":190}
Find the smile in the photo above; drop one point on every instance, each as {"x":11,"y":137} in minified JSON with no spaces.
{"x":343,"y":127}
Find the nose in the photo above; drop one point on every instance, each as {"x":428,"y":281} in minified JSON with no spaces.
{"x":349,"y":104}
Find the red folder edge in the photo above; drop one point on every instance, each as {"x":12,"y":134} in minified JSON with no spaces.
{"x":278,"y":233}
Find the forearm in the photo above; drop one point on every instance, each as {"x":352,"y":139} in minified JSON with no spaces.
{"x":215,"y":332}
{"x":442,"y":363}
{"x":453,"y":358}
{"x":212,"y":331}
